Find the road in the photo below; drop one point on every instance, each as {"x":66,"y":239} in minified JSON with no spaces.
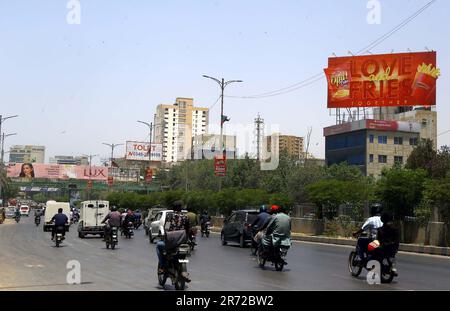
{"x":29,"y":261}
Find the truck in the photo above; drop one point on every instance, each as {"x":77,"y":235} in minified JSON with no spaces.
{"x":91,"y":215}
{"x":52,"y":209}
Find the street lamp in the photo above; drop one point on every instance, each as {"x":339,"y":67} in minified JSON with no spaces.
{"x":1,"y":122}
{"x":150,"y":126}
{"x":3,"y":143}
{"x":222,"y":83}
{"x":112,"y":150}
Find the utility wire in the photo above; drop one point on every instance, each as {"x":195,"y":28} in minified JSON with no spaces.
{"x":320,"y":76}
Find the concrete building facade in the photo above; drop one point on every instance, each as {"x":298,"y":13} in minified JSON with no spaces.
{"x":27,"y":154}
{"x":205,"y":146}
{"x":176,"y":124}
{"x":371,"y":144}
{"x":293,"y":145}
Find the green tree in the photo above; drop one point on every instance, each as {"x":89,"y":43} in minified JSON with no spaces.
{"x":436,"y":194}
{"x":400,"y":190}
{"x":436,"y":163}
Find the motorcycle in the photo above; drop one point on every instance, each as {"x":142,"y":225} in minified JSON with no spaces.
{"x":176,"y":265}
{"x":37,"y":220}
{"x":59,"y":236}
{"x":356,"y":263}
{"x":111,"y":238}
{"x":205,"y":229}
{"x":275,"y":254}
{"x":128,"y":230}
{"x":17,"y":218}
{"x":75,"y":218}
{"x":191,"y":239}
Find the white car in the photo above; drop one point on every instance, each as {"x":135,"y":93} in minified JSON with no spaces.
{"x":157,"y":226}
{"x":24,"y":210}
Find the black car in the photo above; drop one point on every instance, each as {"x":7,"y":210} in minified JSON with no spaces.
{"x":237,"y":227}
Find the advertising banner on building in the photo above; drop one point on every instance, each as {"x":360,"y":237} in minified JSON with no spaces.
{"x":402,"y":79}
{"x":56,"y":171}
{"x":139,"y":151}
{"x":378,"y":125}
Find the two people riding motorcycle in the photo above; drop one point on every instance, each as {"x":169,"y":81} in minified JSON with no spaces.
{"x":383,"y":237}
{"x":60,"y":220}
{"x":277,"y":229}
{"x":129,"y":217}
{"x":175,"y":221}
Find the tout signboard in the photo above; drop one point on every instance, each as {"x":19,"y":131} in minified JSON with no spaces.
{"x":402,"y":79}
{"x":139,"y":151}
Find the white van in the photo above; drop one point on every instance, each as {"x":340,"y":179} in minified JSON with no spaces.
{"x":52,"y":209}
{"x":91,"y":216}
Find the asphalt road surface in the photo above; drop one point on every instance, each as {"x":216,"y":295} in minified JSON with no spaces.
{"x":30,"y":261}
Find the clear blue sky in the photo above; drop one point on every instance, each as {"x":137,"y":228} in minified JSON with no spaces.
{"x":76,"y":86}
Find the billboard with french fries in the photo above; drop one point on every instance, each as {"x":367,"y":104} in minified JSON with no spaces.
{"x":401,"y":79}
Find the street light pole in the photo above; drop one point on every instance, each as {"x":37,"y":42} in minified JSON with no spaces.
{"x":222,"y":83}
{"x":112,"y":150}
{"x":150,"y":126}
{"x":3,"y":143}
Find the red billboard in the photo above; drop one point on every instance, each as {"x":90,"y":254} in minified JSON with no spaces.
{"x":402,"y":79}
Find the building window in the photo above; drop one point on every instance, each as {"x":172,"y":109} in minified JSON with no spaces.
{"x":382,"y":139}
{"x":398,"y":140}
{"x":382,"y":159}
{"x":371,"y":158}
{"x":398,"y":160}
{"x":371,"y":139}
{"x":413,"y":141}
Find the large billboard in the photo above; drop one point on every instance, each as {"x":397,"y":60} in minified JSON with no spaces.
{"x":57,"y":171}
{"x":402,"y":79}
{"x":139,"y":151}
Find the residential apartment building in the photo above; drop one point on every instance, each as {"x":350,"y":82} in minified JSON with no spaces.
{"x":371,"y":144}
{"x":292,"y":145}
{"x":27,"y":154}
{"x":176,"y":124}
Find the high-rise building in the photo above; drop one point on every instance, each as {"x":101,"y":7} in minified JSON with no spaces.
{"x":176,"y":124}
{"x":205,"y":146}
{"x":27,"y":154}
{"x":371,"y":144}
{"x":292,"y":145}
{"x":70,"y":160}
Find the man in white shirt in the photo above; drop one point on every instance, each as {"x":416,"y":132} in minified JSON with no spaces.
{"x":371,"y":227}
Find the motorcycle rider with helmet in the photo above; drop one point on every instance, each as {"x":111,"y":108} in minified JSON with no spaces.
{"x":389,"y":239}
{"x":204,"y":218}
{"x":278,"y":232}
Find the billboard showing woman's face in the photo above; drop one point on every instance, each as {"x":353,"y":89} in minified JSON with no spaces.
{"x":27,"y":170}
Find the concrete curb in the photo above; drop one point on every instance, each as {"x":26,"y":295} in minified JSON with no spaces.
{"x":412,"y":248}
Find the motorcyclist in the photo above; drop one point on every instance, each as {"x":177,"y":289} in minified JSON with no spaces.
{"x":193,"y":223}
{"x":371,"y":226}
{"x":204,"y":218}
{"x":137,"y":219}
{"x":60,"y":220}
{"x":129,"y":217}
{"x":389,"y":239}
{"x":113,"y":219}
{"x":278,"y":232}
{"x":175,"y":221}
{"x":260,"y":220}
{"x":17,"y":212}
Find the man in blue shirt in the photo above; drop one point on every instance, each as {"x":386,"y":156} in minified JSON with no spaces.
{"x":60,"y":221}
